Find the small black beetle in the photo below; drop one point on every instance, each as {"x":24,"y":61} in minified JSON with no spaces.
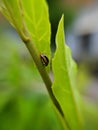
{"x":44,"y":59}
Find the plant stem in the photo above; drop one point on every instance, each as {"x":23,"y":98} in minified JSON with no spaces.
{"x":36,"y":57}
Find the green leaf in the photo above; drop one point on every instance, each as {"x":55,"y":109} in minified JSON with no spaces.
{"x":64,"y":87}
{"x":30,"y":18}
{"x":5,"y":12}
{"x":37,"y":21}
{"x":12,"y":11}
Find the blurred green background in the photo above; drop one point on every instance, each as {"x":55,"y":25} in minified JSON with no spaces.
{"x":24,"y":102}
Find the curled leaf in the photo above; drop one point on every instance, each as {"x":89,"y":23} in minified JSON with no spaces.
{"x":64,"y":87}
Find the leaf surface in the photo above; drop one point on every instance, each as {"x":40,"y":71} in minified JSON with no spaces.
{"x":12,"y":11}
{"x":64,"y":87}
{"x":37,"y":21}
{"x":31,"y":16}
